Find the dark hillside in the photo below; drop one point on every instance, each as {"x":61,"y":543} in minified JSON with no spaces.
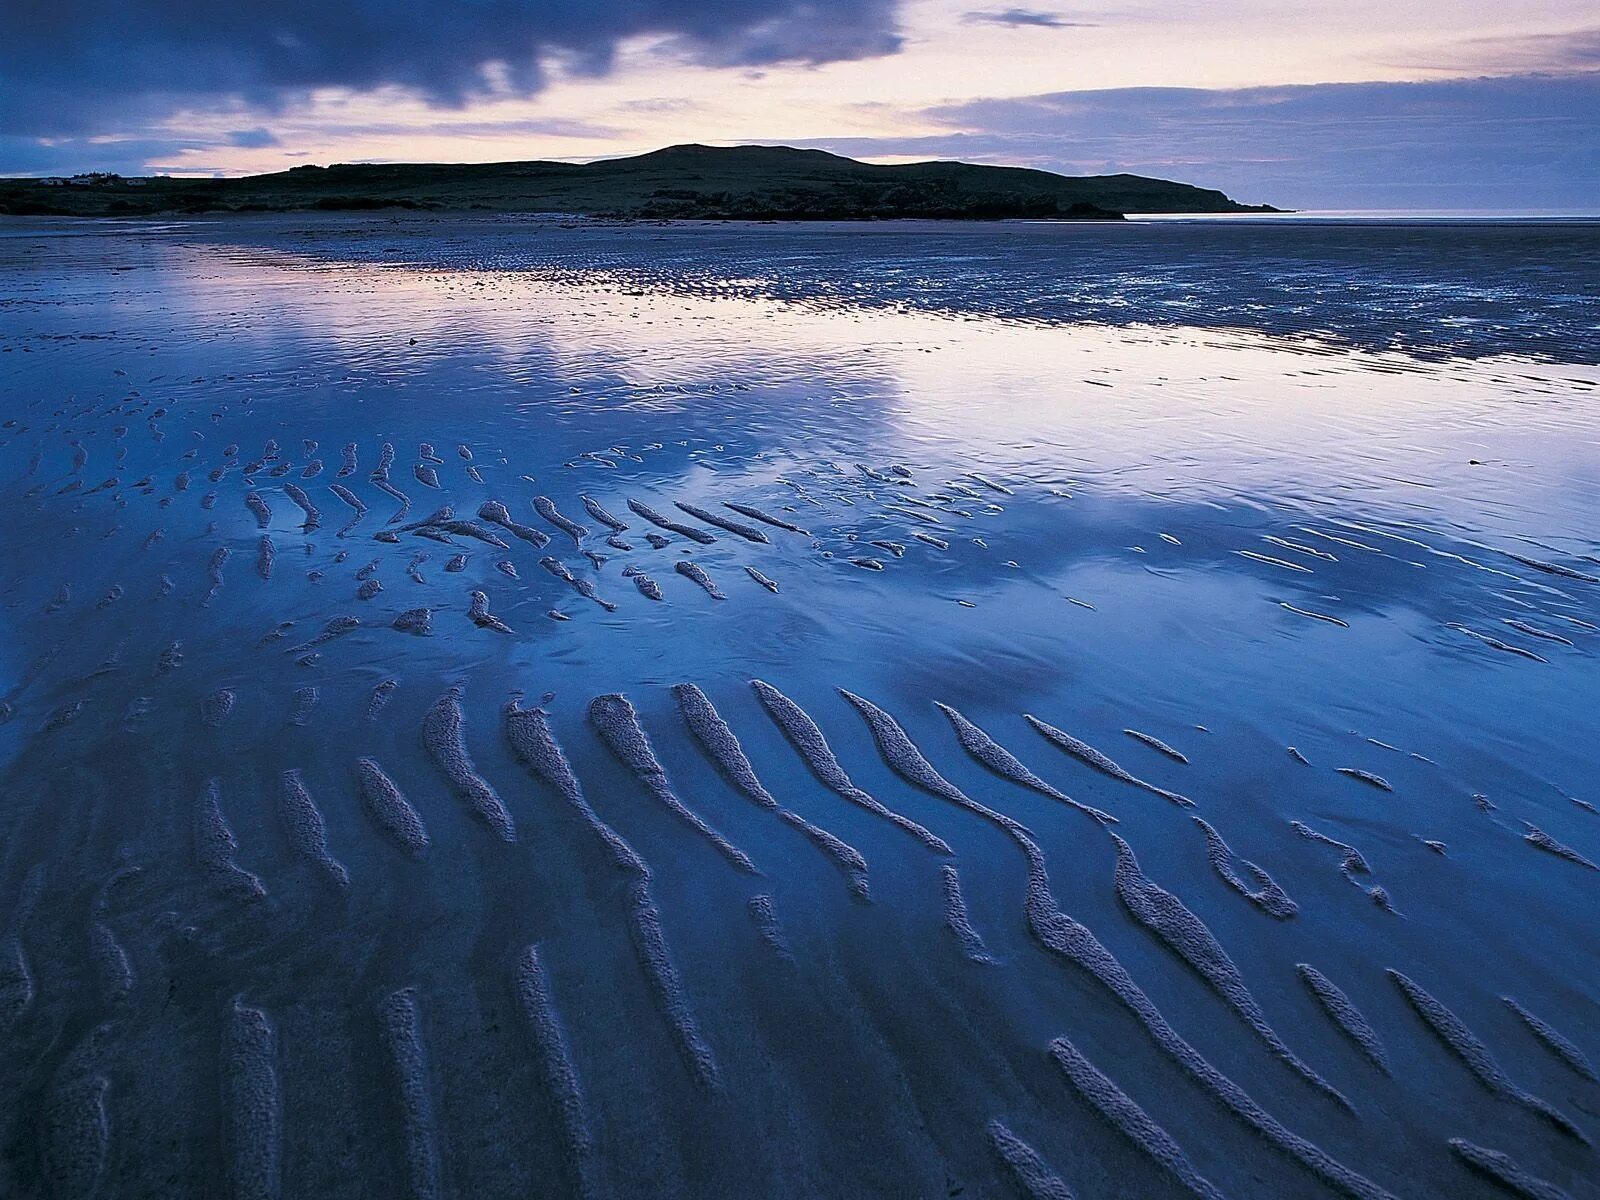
{"x":686,"y":182}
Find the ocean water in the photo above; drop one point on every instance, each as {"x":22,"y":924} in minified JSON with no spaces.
{"x":1123,"y":636}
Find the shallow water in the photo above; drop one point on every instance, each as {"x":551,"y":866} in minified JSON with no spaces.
{"x":1237,"y":489}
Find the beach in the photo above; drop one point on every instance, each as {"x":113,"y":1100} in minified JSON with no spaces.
{"x":501,"y":706}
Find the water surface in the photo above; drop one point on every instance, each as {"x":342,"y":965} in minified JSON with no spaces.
{"x":1237,"y":488}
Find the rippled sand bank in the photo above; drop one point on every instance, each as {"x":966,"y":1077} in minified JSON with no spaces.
{"x":491,"y":709}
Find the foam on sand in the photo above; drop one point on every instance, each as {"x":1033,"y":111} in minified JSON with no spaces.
{"x":1343,"y":1013}
{"x":1504,"y":1170}
{"x":1033,"y":1178}
{"x":400,"y":1030}
{"x":560,"y":1076}
{"x":1086,"y":753}
{"x":533,"y":743}
{"x":618,"y":725}
{"x":1161,"y":912}
{"x":807,"y":739}
{"x":722,"y":746}
{"x":1453,"y":1032}
{"x":252,"y":1135}
{"x":444,"y":739}
{"x":1129,"y":1119}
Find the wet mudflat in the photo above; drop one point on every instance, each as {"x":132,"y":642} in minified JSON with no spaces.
{"x":491,"y":708}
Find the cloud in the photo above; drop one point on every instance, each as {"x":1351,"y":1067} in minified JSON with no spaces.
{"x":659,"y":104}
{"x":252,"y":139}
{"x":1545,"y":53}
{"x":1016,"y":18}
{"x":1524,"y":141}
{"x":466,"y":125}
{"x":74,"y":68}
{"x":68,"y":156}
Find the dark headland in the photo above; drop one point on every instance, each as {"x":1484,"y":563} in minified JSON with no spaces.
{"x":679,"y":182}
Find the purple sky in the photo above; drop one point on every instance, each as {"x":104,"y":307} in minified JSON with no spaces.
{"x":1319,"y":104}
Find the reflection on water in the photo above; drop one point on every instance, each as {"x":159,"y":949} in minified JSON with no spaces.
{"x":1169,"y":531}
{"x":1434,"y":288}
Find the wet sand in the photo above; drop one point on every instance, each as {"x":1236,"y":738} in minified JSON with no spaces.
{"x":495,"y":709}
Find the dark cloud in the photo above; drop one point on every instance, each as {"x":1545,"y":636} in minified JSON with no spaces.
{"x":252,"y":139}
{"x":1515,"y":142}
{"x":76,"y":66}
{"x":68,"y":156}
{"x":134,"y":155}
{"x":1016,"y":18}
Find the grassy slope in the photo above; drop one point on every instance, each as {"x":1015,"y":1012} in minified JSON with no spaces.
{"x":680,"y":181}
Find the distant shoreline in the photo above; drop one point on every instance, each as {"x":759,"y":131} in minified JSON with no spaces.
{"x":748,"y":183}
{"x":1282,"y":220}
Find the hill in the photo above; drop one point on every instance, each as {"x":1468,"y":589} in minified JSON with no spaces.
{"x":683,"y":182}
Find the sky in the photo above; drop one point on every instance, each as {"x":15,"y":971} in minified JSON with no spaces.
{"x":1318,"y":104}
